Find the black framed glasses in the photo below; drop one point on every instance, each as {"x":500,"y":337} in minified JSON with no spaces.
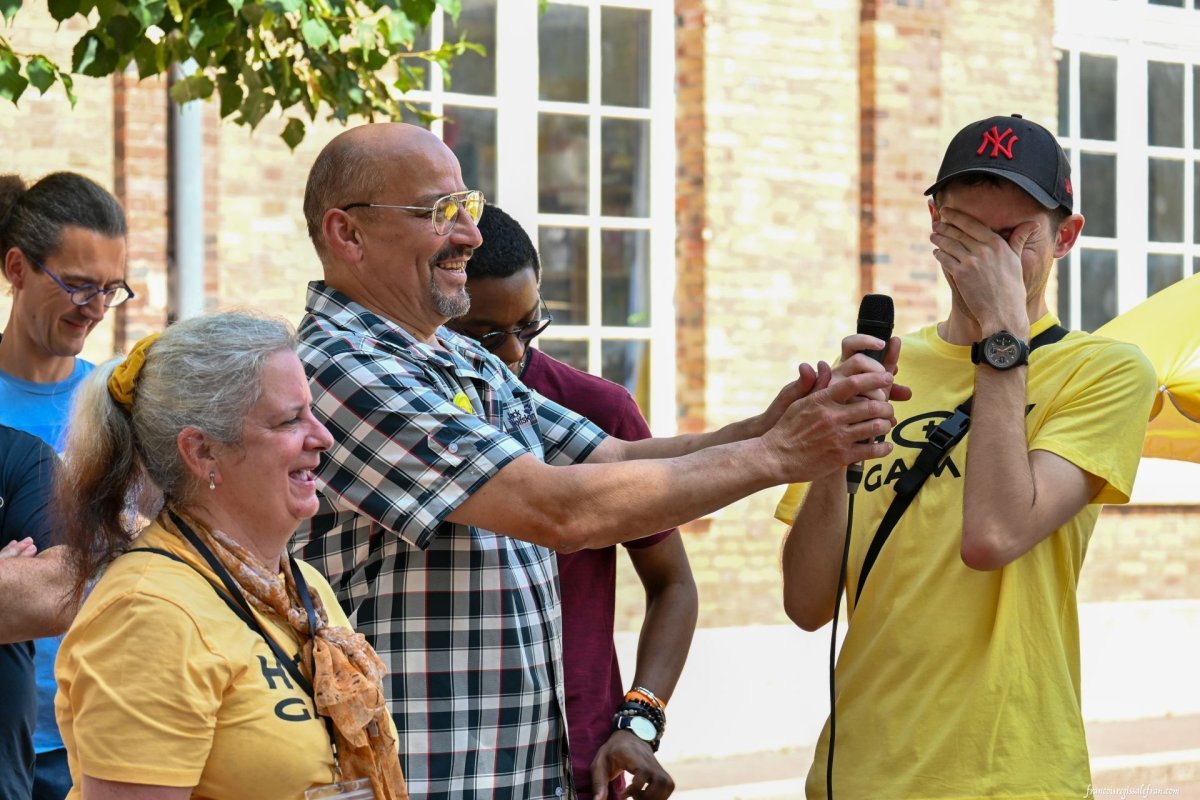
{"x":84,"y":293}
{"x":444,"y":213}
{"x":525,"y":333}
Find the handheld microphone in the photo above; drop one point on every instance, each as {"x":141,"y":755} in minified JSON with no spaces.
{"x":876,"y":316}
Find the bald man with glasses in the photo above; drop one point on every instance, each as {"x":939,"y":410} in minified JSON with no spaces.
{"x":450,"y":485}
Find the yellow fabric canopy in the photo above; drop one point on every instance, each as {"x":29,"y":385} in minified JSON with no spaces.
{"x":1166,"y":326}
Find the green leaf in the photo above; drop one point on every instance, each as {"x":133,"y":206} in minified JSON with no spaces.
{"x":236,"y":5}
{"x":419,"y":11}
{"x":193,"y":87}
{"x":150,"y":58}
{"x":41,"y":73}
{"x":293,"y":133}
{"x":9,"y":9}
{"x":176,"y":11}
{"x":398,"y":29}
{"x":451,"y":7}
{"x":231,"y":93}
{"x":124,"y":32}
{"x":146,"y":12}
{"x":62,"y":9}
{"x":194,"y":32}
{"x":315,"y":33}
{"x":253,"y":13}
{"x":69,"y":87}
{"x":12,"y":83}
{"x":93,"y":57}
{"x":255,"y":107}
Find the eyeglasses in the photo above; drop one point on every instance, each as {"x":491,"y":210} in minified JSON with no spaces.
{"x":84,"y":293}
{"x":525,"y":333}
{"x":444,"y":213}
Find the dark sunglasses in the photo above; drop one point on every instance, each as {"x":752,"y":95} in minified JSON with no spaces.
{"x":525,"y":333}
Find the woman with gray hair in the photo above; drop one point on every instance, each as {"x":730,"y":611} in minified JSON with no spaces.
{"x":206,"y":662}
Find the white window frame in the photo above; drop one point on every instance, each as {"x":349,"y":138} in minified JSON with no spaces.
{"x":518,"y":106}
{"x":1135,"y":32}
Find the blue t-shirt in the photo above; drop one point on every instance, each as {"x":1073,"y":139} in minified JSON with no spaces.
{"x":43,"y":409}
{"x":26,"y":465}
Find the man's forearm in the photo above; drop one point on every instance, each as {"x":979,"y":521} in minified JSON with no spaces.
{"x":34,"y":597}
{"x":685,"y":444}
{"x":998,"y":486}
{"x":672,"y":607}
{"x":596,"y":505}
{"x":812,"y":553}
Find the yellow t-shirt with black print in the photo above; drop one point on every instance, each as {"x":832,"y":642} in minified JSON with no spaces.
{"x":958,"y":683}
{"x":160,"y":683}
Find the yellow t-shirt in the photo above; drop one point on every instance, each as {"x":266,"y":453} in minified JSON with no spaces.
{"x":160,"y":683}
{"x":957,"y":683}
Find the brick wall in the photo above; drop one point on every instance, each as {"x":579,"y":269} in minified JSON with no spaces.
{"x":767,"y":246}
{"x":690,"y":216}
{"x":264,"y":257}
{"x":140,"y":111}
{"x":1143,"y":553}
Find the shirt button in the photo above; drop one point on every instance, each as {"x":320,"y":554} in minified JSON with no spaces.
{"x":453,"y":448}
{"x":558,"y":792}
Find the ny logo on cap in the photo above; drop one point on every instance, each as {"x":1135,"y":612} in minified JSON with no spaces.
{"x":996,"y":139}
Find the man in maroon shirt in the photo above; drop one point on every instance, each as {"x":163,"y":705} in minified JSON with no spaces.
{"x":506,"y":313}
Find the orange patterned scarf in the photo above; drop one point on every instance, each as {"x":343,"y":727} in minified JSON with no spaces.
{"x":348,"y":684}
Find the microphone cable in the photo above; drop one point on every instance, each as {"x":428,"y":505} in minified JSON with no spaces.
{"x":852,"y":481}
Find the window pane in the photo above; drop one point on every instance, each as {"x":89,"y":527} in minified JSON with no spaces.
{"x":573,"y":353}
{"x":1064,"y":93}
{"x":471,"y":134}
{"x":1098,"y":95}
{"x":412,"y":115}
{"x":472,"y":73}
{"x":1196,"y":201}
{"x":1196,"y":265}
{"x":1162,"y":269}
{"x":625,"y":57}
{"x":1196,"y":104}
{"x":1098,"y":197}
{"x":1173,"y":3}
{"x":1098,"y":286}
{"x":625,"y":170}
{"x":1166,"y":200}
{"x":562,"y":164}
{"x":628,"y":364}
{"x":564,"y":273}
{"x":1164,"y":90}
{"x":424,"y":68}
{"x":625,"y":272}
{"x":1064,"y":291}
{"x":563,"y":54}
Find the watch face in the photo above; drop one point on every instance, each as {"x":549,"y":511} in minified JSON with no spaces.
{"x":642,"y":728}
{"x":1002,"y":350}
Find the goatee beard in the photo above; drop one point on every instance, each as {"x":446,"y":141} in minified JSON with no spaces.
{"x":450,"y":305}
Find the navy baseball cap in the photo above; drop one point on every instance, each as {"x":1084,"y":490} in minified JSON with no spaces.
{"x":1015,"y":149}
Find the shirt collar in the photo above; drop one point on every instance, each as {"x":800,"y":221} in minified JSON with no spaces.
{"x":463,"y":355}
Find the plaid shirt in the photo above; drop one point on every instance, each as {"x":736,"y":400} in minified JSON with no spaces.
{"x":467,"y":621}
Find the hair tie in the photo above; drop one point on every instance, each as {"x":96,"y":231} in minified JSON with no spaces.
{"x":124,"y":377}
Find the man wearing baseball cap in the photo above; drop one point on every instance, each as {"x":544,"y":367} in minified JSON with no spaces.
{"x":959,"y":676}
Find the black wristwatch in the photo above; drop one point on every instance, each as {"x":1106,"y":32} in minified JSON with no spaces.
{"x":1001,"y":350}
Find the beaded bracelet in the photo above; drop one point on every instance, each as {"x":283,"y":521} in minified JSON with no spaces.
{"x":646,"y":694}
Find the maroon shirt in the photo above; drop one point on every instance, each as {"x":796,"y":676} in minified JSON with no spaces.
{"x":588,"y":578}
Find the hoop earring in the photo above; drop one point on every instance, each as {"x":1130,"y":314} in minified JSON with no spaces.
{"x":212,"y":481}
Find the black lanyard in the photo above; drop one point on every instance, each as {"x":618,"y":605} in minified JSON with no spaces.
{"x":241,"y":607}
